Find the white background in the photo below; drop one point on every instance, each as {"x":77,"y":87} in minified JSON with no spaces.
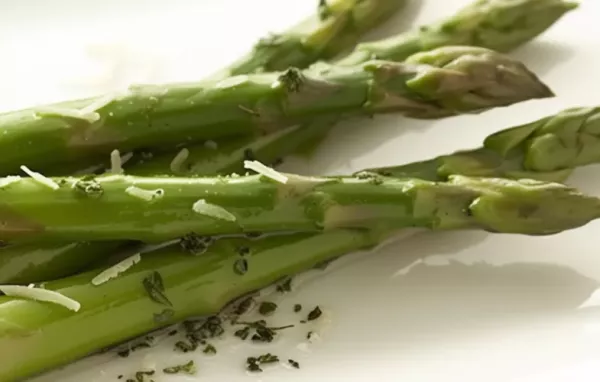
{"x":474,"y":306}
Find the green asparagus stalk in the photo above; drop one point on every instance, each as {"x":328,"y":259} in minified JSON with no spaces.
{"x":494,"y":24}
{"x":316,"y":38}
{"x":36,"y":336}
{"x":548,"y":149}
{"x":160,"y":209}
{"x":526,"y":151}
{"x":338,"y":25}
{"x":24,"y":264}
{"x":501,"y":25}
{"x":440,"y":83}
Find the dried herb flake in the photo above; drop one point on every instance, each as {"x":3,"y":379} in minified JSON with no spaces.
{"x":188,"y":368}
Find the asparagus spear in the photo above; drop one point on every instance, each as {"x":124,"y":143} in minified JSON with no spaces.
{"x":337,"y":26}
{"x":316,"y":38}
{"x":36,"y":336}
{"x":443,"y":82}
{"x":24,"y":264}
{"x":501,"y":25}
{"x":526,"y":151}
{"x":494,"y":24}
{"x":547,"y":149}
{"x":158,"y":209}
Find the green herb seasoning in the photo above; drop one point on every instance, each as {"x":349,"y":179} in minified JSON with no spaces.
{"x":267,"y":308}
{"x":140,"y":376}
{"x":240,"y":266}
{"x":244,"y":306}
{"x":253,"y":363}
{"x":297,"y":308}
{"x":294,"y":364}
{"x":210,"y":349}
{"x":196,"y":244}
{"x":185,"y":347}
{"x":242,"y":333}
{"x":155,"y":288}
{"x":285,"y":286}
{"x":314,"y":314}
{"x":188,"y":368}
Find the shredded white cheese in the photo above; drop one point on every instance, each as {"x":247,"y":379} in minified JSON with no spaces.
{"x":40,"y":294}
{"x":70,"y":113}
{"x":179,"y":160}
{"x":97,"y":104}
{"x":116,"y":269}
{"x":212,"y":210}
{"x":9,"y":180}
{"x":265,"y":171}
{"x":147,"y":195}
{"x":116,"y":166}
{"x":41,"y":179}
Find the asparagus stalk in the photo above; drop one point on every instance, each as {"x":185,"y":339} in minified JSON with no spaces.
{"x":501,"y":25}
{"x":337,"y":26}
{"x":494,"y":24}
{"x":319,"y":37}
{"x":440,"y":83}
{"x":36,"y":336}
{"x":24,"y":264}
{"x":547,"y":149}
{"x":526,"y":151}
{"x":159,"y":209}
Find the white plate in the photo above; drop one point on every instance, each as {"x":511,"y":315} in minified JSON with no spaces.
{"x":433,"y":307}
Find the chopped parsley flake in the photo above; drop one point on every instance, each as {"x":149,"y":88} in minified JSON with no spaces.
{"x":314,"y":314}
{"x":285,"y":286}
{"x":209,"y":349}
{"x":154,"y":286}
{"x":240,"y":266}
{"x":267,"y":308}
{"x":188,"y":368}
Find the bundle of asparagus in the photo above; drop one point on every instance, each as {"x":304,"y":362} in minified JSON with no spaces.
{"x":70,"y":225}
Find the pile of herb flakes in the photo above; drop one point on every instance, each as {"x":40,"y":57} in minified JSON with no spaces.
{"x":198,"y":335}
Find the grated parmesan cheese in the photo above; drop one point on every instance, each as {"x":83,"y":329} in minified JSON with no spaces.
{"x":70,"y":113}
{"x":116,"y":166}
{"x":213,"y":210}
{"x":9,"y":180}
{"x":179,"y":160}
{"x":41,"y":179}
{"x":147,"y":195}
{"x":39,"y":294}
{"x":265,"y":171}
{"x":116,"y":269}
{"x":98,"y":104}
